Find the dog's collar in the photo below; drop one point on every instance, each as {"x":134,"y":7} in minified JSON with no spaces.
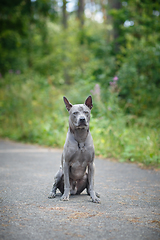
{"x":81,"y":146}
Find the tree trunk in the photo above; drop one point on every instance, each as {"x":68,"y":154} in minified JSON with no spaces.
{"x":114,"y":4}
{"x":64,"y":14}
{"x":80,"y":12}
{"x":29,"y":40}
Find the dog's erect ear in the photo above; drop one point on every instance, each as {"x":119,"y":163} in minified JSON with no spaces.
{"x":88,"y":102}
{"x":67,"y":103}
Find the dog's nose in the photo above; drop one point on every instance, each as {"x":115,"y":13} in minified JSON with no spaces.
{"x":82,"y":119}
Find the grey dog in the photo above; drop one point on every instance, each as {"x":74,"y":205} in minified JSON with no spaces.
{"x":77,"y":168}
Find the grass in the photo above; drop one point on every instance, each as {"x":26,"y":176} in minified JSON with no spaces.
{"x":32,"y":110}
{"x":132,"y":143}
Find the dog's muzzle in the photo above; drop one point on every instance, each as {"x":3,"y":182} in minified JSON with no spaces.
{"x":82,"y":122}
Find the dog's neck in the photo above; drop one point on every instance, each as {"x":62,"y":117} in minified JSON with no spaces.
{"x":80,"y":134}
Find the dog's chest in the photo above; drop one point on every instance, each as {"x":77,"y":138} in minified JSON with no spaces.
{"x":78,"y":151}
{"x":78,"y":164}
{"x":81,"y":156}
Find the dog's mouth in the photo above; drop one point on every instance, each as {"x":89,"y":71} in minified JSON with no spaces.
{"x":82,"y":125}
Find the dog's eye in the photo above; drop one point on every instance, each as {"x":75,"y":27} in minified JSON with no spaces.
{"x":86,"y":112}
{"x":75,"y":113}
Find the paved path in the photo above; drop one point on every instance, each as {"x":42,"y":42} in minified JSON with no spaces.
{"x":129,"y":209}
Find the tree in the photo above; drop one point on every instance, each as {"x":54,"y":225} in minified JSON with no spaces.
{"x":80,"y":11}
{"x":114,"y":6}
{"x":19,"y":20}
{"x":64,"y":14}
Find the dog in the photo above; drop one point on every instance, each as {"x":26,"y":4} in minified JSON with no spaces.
{"x":77,"y":168}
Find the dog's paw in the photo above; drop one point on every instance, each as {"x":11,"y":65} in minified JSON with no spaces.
{"x":95,"y":197}
{"x":96,"y":200}
{"x":64,"y":197}
{"x":52,"y":195}
{"x":97,"y":194}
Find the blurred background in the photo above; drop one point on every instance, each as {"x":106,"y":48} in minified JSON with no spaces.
{"x":109,"y":49}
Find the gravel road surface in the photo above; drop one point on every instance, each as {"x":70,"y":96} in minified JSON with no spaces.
{"x":129,"y":209}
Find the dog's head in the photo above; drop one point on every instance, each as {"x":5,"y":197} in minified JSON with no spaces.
{"x":79,"y":114}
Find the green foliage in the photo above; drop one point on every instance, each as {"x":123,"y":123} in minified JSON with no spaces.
{"x":37,"y":114}
{"x":40,"y":62}
{"x":70,"y":61}
{"x":19,"y":21}
{"x":139,"y":78}
{"x":33,"y":114}
{"x":138,"y":58}
{"x":114,"y":139}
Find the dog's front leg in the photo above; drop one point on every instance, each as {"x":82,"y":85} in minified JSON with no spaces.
{"x":65,"y":196}
{"x":91,"y":169}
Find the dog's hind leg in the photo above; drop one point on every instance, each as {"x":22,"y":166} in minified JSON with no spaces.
{"x":56,"y":183}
